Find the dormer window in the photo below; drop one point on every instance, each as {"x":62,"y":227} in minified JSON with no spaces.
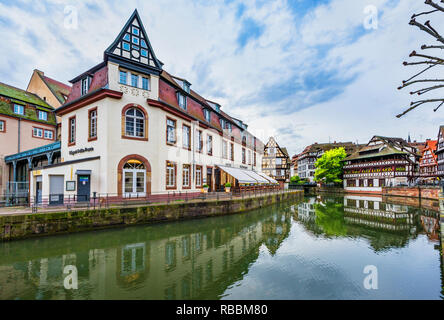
{"x":43,"y":115}
{"x":186,"y":87}
{"x":19,"y":109}
{"x":229,"y":126}
{"x":85,"y":85}
{"x":207,"y":114}
{"x":182,"y":100}
{"x":222,"y":124}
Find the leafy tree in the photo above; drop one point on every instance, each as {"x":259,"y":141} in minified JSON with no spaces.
{"x":329,"y":166}
{"x":295,"y":179}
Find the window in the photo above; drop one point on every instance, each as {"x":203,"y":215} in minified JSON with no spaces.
{"x":72,"y":131}
{"x":229,"y":127}
{"x":198,"y":176}
{"x":186,"y":87}
{"x":85,"y":86}
{"x":127,"y":37}
{"x":92,"y":124}
{"x":134,"y":123}
{"x":19,"y":109}
{"x":182,"y":100}
{"x":232,"y":152}
{"x":171,"y":131}
{"x":2,"y":126}
{"x":134,"y":80}
{"x":186,"y":137}
{"x":123,"y":77}
{"x":145,"y":83}
{"x":126,"y":46}
{"x":249,"y":157}
{"x":243,"y":156}
{"x":224,"y":149}
{"x":255,"y":162}
{"x":136,"y":40}
{"x":144,"y":53}
{"x":143,"y":44}
{"x":222,"y":124}
{"x":49,"y":134}
{"x":207,"y":114}
{"x":43,"y":115}
{"x":37,"y":132}
{"x":186,"y":176}
{"x":199,"y":141}
{"x":210,"y":145}
{"x":135,"y":31}
{"x":171,"y":175}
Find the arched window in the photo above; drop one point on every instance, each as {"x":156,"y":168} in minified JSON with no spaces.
{"x":134,"y":123}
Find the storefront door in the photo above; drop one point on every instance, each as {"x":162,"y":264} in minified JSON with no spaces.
{"x":134,"y":185}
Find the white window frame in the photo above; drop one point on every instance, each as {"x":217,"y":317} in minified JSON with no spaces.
{"x":49,"y":134}
{"x":186,"y":172}
{"x":44,"y":114}
{"x":19,"y":107}
{"x":2,"y":125}
{"x":37,"y":132}
{"x":84,"y":86}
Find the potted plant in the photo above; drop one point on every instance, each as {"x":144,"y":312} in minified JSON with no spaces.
{"x":228,"y":187}
{"x":205,"y":188}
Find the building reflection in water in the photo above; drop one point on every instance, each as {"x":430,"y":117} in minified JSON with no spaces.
{"x":177,"y":263}
{"x":196,"y":259}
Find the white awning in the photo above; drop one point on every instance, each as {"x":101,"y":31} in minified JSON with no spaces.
{"x":238,"y":174}
{"x":270,"y":179}
{"x":248,"y":176}
{"x":257,"y":177}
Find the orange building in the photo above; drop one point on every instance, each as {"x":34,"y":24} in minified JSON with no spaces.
{"x":428,"y":164}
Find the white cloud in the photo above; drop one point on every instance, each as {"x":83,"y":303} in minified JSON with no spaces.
{"x":198,"y":40}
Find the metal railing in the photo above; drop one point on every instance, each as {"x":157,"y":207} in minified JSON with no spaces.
{"x":98,"y":201}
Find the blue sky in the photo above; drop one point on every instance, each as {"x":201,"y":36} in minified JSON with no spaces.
{"x":302,"y":71}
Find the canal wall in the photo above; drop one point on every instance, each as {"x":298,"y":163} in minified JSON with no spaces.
{"x":428,"y":193}
{"x":15,"y":227}
{"x":413,"y":192}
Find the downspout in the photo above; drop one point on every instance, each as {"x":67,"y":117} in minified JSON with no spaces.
{"x":18,"y":135}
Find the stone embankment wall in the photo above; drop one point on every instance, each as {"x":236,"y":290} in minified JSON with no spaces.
{"x":14,"y":227}
{"x":413,"y":192}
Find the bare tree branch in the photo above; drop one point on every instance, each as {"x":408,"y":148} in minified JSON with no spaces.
{"x":429,"y":61}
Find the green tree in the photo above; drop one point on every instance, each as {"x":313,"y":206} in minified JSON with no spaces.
{"x":295,"y":179}
{"x":329,"y":166}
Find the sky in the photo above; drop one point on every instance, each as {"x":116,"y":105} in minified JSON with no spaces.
{"x":303,"y":71}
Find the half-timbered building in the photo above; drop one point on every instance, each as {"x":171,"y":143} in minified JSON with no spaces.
{"x":382,"y":162}
{"x":276,"y":162}
{"x":428,"y":164}
{"x":440,"y":153}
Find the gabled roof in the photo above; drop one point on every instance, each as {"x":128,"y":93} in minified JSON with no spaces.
{"x":21,"y":95}
{"x":133,"y":45}
{"x":60,"y":90}
{"x":349,"y":147}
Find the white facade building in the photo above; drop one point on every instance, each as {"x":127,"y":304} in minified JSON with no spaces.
{"x":129,"y":128}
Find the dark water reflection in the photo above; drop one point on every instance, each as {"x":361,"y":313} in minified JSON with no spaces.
{"x":315,"y":249}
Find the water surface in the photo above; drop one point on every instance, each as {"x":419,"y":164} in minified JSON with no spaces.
{"x":314,"y":249}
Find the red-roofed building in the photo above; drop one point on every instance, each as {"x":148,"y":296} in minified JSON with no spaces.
{"x":130,"y":129}
{"x":428,"y":164}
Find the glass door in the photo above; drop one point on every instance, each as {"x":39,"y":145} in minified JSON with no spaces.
{"x":134,"y":183}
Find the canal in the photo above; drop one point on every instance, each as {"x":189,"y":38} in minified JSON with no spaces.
{"x":317,"y":248}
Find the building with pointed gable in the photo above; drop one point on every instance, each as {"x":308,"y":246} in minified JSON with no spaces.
{"x":129,"y":128}
{"x":428,"y":164}
{"x":276,"y":162}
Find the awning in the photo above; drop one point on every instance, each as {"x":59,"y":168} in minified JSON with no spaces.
{"x":83,"y":172}
{"x":270,"y":179}
{"x":239,"y":174}
{"x":248,"y":176}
